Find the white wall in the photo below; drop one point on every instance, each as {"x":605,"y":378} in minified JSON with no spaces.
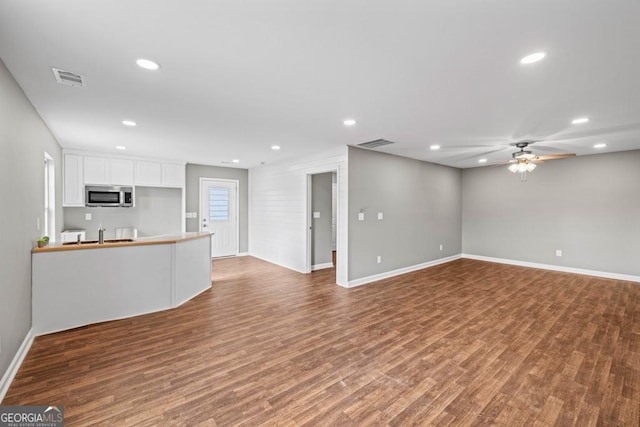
{"x":278,"y":211}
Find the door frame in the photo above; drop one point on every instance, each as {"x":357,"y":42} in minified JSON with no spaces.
{"x":309,"y":221}
{"x":201,"y":181}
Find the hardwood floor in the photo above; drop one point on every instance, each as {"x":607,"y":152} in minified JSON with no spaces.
{"x":464,"y":343}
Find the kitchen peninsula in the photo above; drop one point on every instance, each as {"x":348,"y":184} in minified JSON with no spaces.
{"x":80,"y":284}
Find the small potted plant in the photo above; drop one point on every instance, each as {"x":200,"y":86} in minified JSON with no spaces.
{"x":44,"y":241}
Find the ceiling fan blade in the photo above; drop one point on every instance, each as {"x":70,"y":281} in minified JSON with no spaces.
{"x":553,"y":156}
{"x":537,"y":161}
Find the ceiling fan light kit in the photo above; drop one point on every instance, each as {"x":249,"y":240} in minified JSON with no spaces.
{"x":525,"y":161}
{"x":522,"y":166}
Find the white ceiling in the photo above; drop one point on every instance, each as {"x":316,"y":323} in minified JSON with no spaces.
{"x":239,"y":76}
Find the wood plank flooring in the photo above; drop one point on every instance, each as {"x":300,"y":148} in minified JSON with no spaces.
{"x":464,"y":343}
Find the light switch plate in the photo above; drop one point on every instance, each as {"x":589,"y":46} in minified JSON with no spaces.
{"x":558,"y":252}
{"x":87,"y":217}
{"x":316,"y":214}
{"x":361,"y":216}
{"x":380,"y":216}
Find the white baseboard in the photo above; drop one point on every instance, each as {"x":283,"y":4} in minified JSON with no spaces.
{"x":243,"y":254}
{"x":604,"y":274}
{"x":392,"y":273}
{"x":15,"y":364}
{"x":321,"y":266}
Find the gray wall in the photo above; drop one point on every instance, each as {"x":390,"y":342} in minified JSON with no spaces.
{"x":421,"y":203}
{"x":195,"y":172}
{"x":157,"y":211}
{"x":321,"y":201}
{"x":588,"y":207}
{"x":23,"y":140}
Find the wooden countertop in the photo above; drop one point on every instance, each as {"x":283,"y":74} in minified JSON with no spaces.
{"x":163,"y":239}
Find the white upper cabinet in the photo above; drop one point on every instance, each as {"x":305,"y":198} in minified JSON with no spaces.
{"x":173,"y":175}
{"x":96,"y":170}
{"x":156,"y":174}
{"x":73,"y":191}
{"x":82,"y":169}
{"x":106,"y":171}
{"x":121,"y":171}
{"x":148,"y":174}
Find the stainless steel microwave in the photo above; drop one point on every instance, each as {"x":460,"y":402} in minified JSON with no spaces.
{"x":108,"y":196}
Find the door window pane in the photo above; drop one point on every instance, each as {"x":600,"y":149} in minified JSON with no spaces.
{"x":218,"y":204}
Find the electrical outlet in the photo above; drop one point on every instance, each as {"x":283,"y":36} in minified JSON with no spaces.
{"x":379,"y":259}
{"x":558,"y":252}
{"x":87,"y":216}
{"x":361,"y":216}
{"x":380,"y":216}
{"x":440,"y":246}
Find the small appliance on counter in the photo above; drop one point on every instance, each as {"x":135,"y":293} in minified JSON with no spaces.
{"x":126,"y":233}
{"x":72,"y":235}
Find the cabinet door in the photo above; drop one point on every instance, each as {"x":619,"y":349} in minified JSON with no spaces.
{"x":73,"y":194}
{"x":173,"y":175}
{"x":148,"y":174}
{"x":96,"y":170}
{"x":121,"y":172}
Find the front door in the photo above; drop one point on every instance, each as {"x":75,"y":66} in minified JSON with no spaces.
{"x":219,"y":215}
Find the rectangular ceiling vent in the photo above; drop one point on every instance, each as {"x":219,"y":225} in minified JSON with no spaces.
{"x":68,"y":78}
{"x":375,"y":143}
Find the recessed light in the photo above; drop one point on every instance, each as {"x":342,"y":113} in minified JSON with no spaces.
{"x":147,"y":64}
{"x":482,"y":161}
{"x":120,"y":147}
{"x":235,"y":161}
{"x":349,"y":122}
{"x":580,"y":120}
{"x":435,"y":147}
{"x":601,"y":145}
{"x":275,"y":147}
{"x":534,"y":57}
{"x":129,"y":123}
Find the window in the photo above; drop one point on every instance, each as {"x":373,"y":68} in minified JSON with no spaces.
{"x":218,"y":204}
{"x":49,"y":198}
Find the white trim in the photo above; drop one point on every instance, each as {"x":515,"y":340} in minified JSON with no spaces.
{"x":243,"y":254}
{"x":604,"y":274}
{"x":404,"y":270}
{"x":309,"y":225}
{"x":15,"y":364}
{"x":321,"y":266}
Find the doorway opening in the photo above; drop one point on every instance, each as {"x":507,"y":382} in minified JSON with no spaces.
{"x":219,"y":215}
{"x":322,"y":208}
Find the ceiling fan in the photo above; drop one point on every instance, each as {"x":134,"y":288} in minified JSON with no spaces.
{"x":524,"y":161}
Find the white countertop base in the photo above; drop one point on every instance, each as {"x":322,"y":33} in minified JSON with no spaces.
{"x":81,"y":287}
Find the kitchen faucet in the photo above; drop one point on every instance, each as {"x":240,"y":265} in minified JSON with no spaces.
{"x":101,"y":235}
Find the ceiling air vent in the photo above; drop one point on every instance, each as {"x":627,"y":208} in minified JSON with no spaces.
{"x":68,"y":78}
{"x":375,"y":143}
